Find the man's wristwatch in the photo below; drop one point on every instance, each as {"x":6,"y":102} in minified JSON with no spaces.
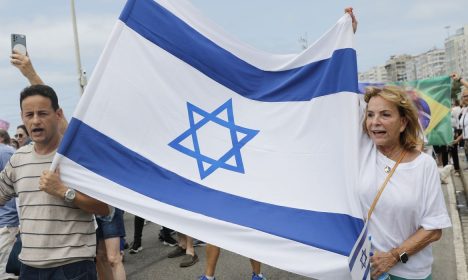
{"x":70,"y":195}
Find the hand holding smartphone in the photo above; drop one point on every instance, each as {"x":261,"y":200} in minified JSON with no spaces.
{"x":18,"y":43}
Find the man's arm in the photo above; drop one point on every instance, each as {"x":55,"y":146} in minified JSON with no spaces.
{"x":7,"y":190}
{"x":23,"y":63}
{"x":51,"y":183}
{"x":459,"y":79}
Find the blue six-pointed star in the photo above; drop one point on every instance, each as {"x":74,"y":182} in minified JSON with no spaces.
{"x":363,"y":259}
{"x":206,"y":164}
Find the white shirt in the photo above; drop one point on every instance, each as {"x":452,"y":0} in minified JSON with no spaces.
{"x":464,"y":122}
{"x":412,"y":199}
{"x":456,"y":116}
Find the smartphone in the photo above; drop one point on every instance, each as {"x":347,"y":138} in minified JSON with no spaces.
{"x":18,"y":43}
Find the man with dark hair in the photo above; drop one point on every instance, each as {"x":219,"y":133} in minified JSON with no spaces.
{"x":24,"y":65}
{"x":57,"y":228}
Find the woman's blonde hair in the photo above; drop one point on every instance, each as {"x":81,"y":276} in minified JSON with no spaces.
{"x":410,"y":138}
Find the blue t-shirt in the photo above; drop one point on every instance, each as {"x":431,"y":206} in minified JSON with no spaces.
{"x":8,"y":213}
{"x":5,"y":153}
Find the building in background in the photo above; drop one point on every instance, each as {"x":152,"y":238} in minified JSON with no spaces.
{"x":397,"y":68}
{"x":376,"y":74}
{"x":433,"y":63}
{"x":429,"y":64}
{"x":456,"y":52}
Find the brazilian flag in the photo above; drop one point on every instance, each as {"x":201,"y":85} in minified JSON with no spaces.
{"x":432,"y":98}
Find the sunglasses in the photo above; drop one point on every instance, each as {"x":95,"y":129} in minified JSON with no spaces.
{"x":19,"y":135}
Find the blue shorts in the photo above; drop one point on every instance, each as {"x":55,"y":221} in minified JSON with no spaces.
{"x":113,"y":228}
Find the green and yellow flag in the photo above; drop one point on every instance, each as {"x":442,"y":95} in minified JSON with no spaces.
{"x":432,"y":98}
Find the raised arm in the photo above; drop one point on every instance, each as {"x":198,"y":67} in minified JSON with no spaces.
{"x":461,"y":80}
{"x":349,"y":10}
{"x":23,"y":63}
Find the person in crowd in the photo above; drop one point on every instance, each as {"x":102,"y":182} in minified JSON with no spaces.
{"x":441,"y":152}
{"x":14,"y":143}
{"x":453,"y":148}
{"x":50,"y":210}
{"x":136,"y":245}
{"x":8,"y":215}
{"x":410,"y":213}
{"x":165,"y":236}
{"x":458,"y":79}
{"x":24,"y":65}
{"x":184,"y":248}
{"x":22,"y":135}
{"x":212,"y":256}
{"x":464,"y":122}
{"x":109,"y":257}
{"x":5,"y":149}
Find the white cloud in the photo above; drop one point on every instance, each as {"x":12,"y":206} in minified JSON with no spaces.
{"x":52,"y":39}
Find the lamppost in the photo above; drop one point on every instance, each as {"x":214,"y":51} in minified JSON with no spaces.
{"x":448,"y":30}
{"x":81,"y":72}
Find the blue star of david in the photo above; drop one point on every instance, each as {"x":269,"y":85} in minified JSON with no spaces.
{"x":235,"y":131}
{"x":363,"y":259}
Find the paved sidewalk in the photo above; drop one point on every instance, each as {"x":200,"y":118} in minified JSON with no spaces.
{"x":449,"y":256}
{"x":460,"y":184}
{"x":152,"y":263}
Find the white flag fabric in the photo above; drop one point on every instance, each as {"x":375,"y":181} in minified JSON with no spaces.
{"x":254,"y":152}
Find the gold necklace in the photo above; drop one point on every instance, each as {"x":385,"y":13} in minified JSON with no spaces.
{"x":388,"y":168}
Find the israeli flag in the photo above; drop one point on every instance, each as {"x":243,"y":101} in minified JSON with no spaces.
{"x":359,"y":259}
{"x":254,"y":152}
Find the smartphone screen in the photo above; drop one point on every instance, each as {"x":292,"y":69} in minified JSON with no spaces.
{"x":18,"y":43}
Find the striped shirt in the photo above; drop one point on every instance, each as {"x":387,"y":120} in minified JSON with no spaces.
{"x":53,"y":232}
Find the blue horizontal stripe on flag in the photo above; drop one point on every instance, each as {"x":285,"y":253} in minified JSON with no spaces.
{"x":109,"y":159}
{"x":328,"y":76}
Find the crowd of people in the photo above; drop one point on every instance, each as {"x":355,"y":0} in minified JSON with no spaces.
{"x":57,"y":224}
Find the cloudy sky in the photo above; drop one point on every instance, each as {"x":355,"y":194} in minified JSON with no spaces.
{"x":386,"y":27}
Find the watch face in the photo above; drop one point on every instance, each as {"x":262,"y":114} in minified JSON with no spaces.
{"x":70,"y":195}
{"x":404,"y":257}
